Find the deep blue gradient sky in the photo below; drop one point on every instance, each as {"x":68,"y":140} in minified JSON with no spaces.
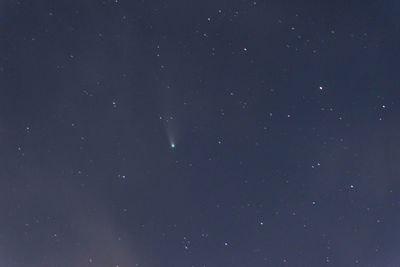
{"x":284,"y":116}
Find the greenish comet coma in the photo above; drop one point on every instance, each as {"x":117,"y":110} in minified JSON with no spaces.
{"x":172,"y":145}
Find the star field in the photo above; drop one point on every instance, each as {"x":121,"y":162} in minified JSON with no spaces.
{"x":199,"y":133}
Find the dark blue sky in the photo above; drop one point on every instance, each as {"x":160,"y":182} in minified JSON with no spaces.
{"x":284,"y":116}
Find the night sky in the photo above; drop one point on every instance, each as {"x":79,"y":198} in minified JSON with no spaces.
{"x":199,"y":133}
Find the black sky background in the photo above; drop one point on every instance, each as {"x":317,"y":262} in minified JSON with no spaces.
{"x":284,"y":116}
